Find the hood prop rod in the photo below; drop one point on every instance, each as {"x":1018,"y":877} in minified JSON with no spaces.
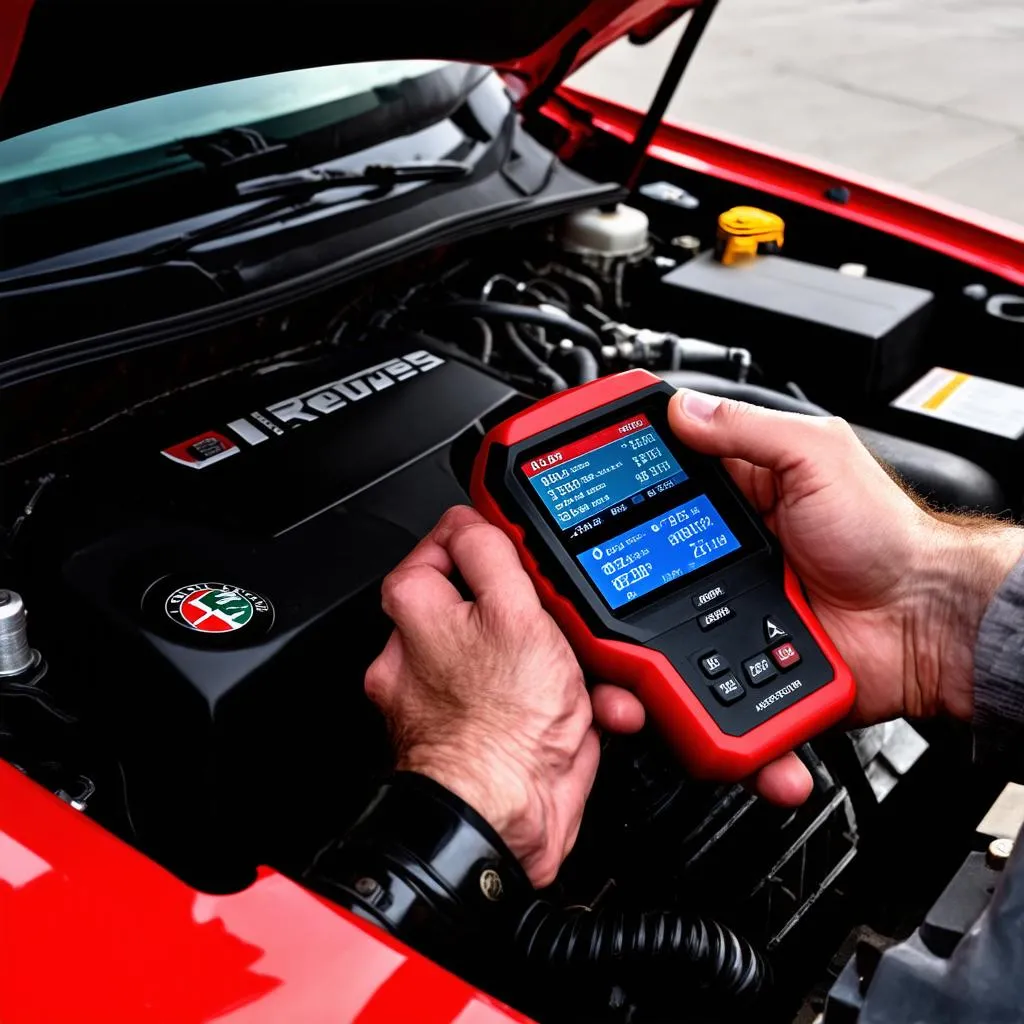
{"x":666,"y":89}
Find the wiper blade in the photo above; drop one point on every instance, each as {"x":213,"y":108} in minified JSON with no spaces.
{"x":283,"y":190}
{"x":311,"y":181}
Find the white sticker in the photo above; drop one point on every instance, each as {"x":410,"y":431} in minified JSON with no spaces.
{"x":975,"y":402}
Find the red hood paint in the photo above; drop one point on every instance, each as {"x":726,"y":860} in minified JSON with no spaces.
{"x":599,"y":25}
{"x":95,"y":932}
{"x":975,"y":238}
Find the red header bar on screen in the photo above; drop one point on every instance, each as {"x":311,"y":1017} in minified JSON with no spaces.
{"x":568,"y":452}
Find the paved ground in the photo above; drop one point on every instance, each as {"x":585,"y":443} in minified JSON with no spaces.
{"x":927,"y":93}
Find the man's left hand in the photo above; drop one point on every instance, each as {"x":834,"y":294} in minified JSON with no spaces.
{"x":485,"y":696}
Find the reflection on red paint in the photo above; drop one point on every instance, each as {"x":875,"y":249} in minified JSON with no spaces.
{"x":94,"y":931}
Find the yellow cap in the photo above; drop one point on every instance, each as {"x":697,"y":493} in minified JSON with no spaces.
{"x":747,"y":230}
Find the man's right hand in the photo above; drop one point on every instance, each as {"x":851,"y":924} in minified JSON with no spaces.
{"x":899,"y":589}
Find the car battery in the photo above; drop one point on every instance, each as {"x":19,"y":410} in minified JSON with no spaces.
{"x":842,"y":338}
{"x":976,"y":417}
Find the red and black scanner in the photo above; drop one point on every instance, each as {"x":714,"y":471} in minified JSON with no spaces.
{"x":661,"y":574}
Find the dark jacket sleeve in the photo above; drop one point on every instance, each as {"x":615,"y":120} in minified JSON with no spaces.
{"x":999,"y":675}
{"x":981,"y":980}
{"x":422,"y":864}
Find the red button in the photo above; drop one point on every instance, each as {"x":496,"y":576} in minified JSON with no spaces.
{"x":785,"y":655}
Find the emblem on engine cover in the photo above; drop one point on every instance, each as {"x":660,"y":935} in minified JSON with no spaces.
{"x":311,"y":406}
{"x":202,"y":450}
{"x":216,"y":607}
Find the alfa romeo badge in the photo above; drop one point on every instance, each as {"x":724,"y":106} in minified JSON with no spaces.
{"x":217,"y":608}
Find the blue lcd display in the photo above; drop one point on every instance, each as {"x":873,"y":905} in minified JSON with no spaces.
{"x":663,"y":549}
{"x":605,"y":472}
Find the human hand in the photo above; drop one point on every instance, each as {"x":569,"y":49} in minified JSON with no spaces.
{"x":900,"y":590}
{"x":485,"y":696}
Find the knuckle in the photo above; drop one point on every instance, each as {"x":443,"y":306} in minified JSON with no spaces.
{"x":475,"y":530}
{"x":397,"y":587}
{"x":479,"y":541}
{"x":377,"y":683}
{"x":514,"y":618}
{"x":837,"y":428}
{"x":452,"y":517}
{"x":733,"y":412}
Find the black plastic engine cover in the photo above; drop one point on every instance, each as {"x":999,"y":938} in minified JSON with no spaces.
{"x":229,"y":603}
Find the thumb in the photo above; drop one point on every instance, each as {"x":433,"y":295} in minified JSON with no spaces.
{"x":765,"y":437}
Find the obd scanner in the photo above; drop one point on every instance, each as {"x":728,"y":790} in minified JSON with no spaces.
{"x":661,"y":574}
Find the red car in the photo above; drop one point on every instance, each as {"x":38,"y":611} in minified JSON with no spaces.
{"x":267,"y":273}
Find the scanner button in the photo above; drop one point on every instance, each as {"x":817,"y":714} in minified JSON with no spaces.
{"x":709,"y":597}
{"x":728,"y":690}
{"x":713,"y":665}
{"x":714,"y":618}
{"x":759,"y":670}
{"x":774,"y":631}
{"x":786,"y":656}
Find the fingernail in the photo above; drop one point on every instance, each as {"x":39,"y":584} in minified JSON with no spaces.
{"x":699,"y":406}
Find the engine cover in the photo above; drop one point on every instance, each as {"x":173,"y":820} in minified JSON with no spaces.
{"x":227,"y":587}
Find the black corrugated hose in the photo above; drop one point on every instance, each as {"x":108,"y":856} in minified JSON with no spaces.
{"x":698,"y":952}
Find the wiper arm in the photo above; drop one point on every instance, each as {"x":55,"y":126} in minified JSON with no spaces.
{"x":309,"y":182}
{"x":282,"y":190}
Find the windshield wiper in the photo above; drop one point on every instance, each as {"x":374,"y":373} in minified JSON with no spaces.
{"x":286,"y":189}
{"x":311,"y":181}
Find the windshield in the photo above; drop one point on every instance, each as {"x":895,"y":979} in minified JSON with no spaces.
{"x":98,"y":150}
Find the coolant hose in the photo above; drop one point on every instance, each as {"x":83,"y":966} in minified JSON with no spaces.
{"x":561,"y":326}
{"x":683,"y":949}
{"x":583,"y":360}
{"x":554,"y":381}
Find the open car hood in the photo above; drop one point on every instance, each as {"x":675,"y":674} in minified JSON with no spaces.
{"x":63,"y":58}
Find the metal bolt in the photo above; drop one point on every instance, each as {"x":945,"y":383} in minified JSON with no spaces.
{"x":15,"y":654}
{"x":998,"y":854}
{"x":688,"y":243}
{"x":978,"y":292}
{"x":367,"y":886}
{"x":838,"y":194}
{"x":490,"y":885}
{"x":616,"y":998}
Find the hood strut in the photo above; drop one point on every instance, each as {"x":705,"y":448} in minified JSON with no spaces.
{"x":691,"y":36}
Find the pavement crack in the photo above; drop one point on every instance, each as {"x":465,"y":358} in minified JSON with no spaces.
{"x":966,"y":162}
{"x":878,"y":94}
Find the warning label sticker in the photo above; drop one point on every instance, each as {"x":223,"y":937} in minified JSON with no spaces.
{"x":975,"y":402}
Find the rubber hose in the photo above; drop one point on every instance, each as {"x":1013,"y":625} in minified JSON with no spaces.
{"x":553,"y":380}
{"x":563,"y":326}
{"x":752,"y":393}
{"x":704,"y":953}
{"x":586,"y":365}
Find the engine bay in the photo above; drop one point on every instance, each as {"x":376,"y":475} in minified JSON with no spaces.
{"x":292,"y":462}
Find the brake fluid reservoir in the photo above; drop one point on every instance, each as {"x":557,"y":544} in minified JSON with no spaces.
{"x":605,"y":234}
